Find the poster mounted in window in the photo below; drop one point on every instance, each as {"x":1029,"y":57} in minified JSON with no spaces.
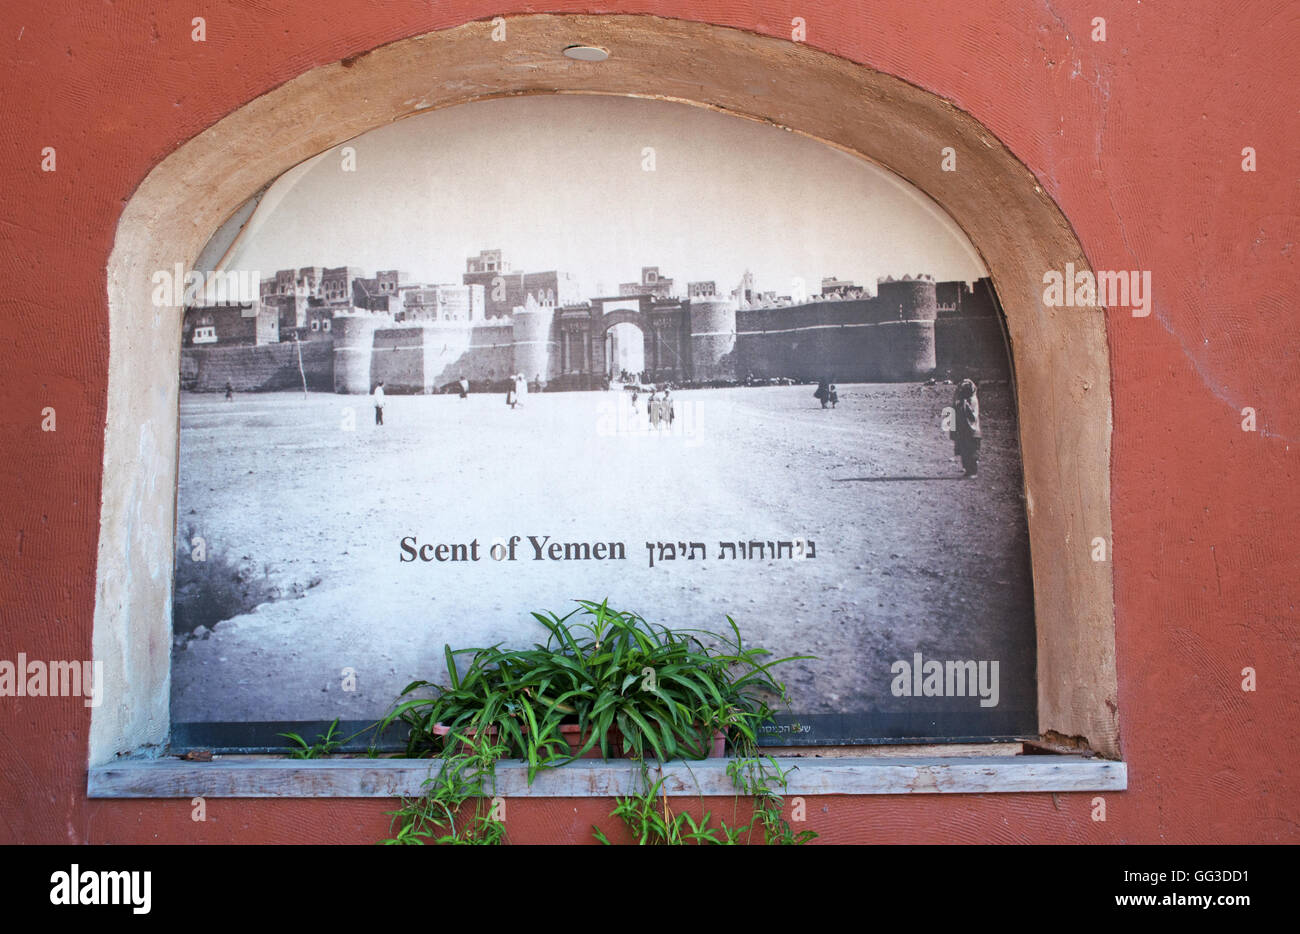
{"x":760,"y":379}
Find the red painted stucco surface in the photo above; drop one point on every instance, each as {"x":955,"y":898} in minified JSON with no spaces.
{"x":1139,"y":139}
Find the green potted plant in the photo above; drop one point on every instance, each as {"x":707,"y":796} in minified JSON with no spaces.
{"x":604,"y":680}
{"x":604,"y":683}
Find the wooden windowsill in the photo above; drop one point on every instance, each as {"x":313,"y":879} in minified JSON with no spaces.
{"x":275,"y":777}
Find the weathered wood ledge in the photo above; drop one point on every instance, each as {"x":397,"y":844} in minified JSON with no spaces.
{"x":274,"y":777}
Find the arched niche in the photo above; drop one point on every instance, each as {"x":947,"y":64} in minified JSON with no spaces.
{"x":1060,"y":355}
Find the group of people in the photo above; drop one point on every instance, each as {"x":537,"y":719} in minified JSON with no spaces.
{"x":827,"y":393}
{"x":660,"y":410}
{"x":965,"y":434}
{"x":517,"y":391}
{"x":659,"y":407}
{"x":514,"y":395}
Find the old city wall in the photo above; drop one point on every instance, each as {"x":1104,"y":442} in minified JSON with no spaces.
{"x":397,"y":358}
{"x":354,"y":340}
{"x":423,"y":358}
{"x":713,"y":339}
{"x":898,"y":335}
{"x":258,"y":369}
{"x":886,"y":338}
{"x":487,"y":354}
{"x":969,"y":335}
{"x":970,"y":346}
{"x":535,"y":335}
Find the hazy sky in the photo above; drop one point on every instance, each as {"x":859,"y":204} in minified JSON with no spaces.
{"x":557,"y":182}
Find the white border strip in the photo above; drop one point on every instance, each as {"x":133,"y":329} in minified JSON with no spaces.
{"x":834,"y":327}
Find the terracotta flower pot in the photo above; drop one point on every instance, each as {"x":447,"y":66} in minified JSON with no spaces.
{"x":578,"y":738}
{"x":573,"y":736}
{"x":717,"y":747}
{"x":443,"y":732}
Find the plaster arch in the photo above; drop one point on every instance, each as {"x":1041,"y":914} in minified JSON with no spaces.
{"x":638,"y":319}
{"x":1059,"y":354}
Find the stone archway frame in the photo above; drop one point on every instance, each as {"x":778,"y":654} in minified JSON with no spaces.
{"x":1060,"y":354}
{"x":600,"y":325}
{"x":637,"y":319}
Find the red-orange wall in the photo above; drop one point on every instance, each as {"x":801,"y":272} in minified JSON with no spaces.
{"x":1138,"y":139}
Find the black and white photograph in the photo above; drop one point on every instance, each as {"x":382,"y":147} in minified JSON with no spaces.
{"x":491,"y":360}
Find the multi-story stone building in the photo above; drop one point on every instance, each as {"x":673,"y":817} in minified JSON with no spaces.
{"x":336,"y":284}
{"x":441,"y":303}
{"x":833,"y":286}
{"x":219,"y":324}
{"x":744,"y":293}
{"x":651,"y":284}
{"x":504,"y":289}
{"x":380,"y":292}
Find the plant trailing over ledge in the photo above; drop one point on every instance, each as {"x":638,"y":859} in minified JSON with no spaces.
{"x":623,"y":685}
{"x":465,"y":775}
{"x":650,"y":820}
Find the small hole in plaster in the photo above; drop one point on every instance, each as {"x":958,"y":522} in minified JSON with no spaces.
{"x":586,"y":53}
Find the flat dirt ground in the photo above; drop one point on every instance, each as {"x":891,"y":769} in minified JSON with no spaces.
{"x":908,"y":555}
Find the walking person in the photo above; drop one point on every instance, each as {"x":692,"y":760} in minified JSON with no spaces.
{"x":230,"y":392}
{"x":823,"y":392}
{"x":464,"y":388}
{"x":966,"y":435}
{"x":379,"y":403}
{"x":833,"y":395}
{"x":521,"y":388}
